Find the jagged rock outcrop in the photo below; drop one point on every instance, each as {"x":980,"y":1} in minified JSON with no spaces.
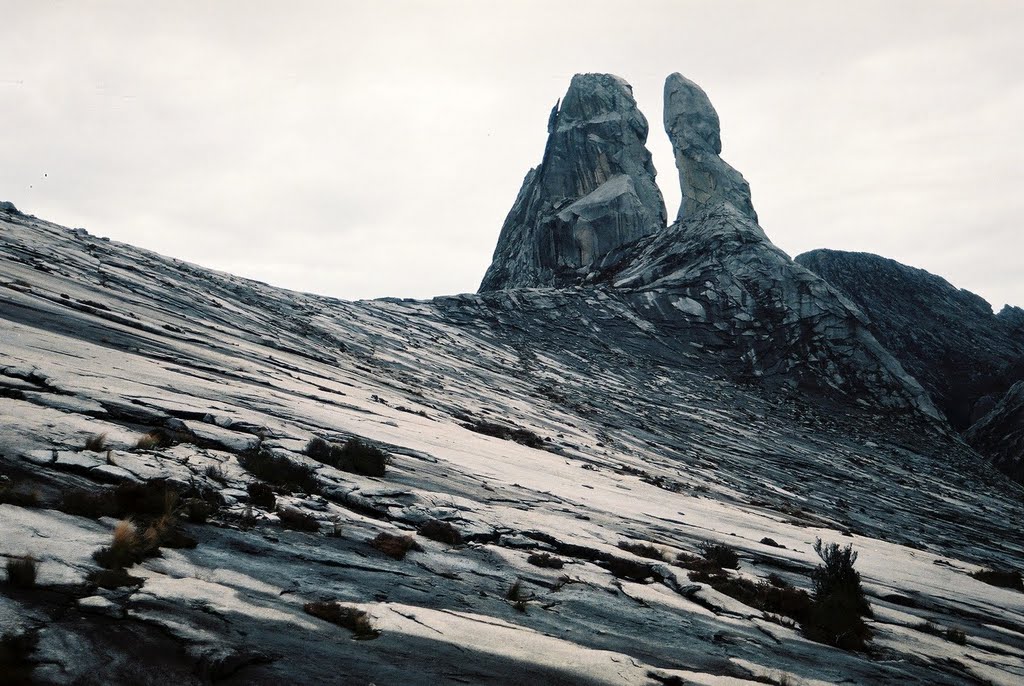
{"x":705,"y":178}
{"x":8,"y":206}
{"x":999,"y":435}
{"x":718,"y":272}
{"x":593,"y":192}
{"x":947,"y":338}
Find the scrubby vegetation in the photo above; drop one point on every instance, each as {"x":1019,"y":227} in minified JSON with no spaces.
{"x":720,"y":555}
{"x":394,"y":545}
{"x":355,"y":456}
{"x":352,"y":618}
{"x":16,"y":665}
{"x":148,"y":499}
{"x":643,"y":550}
{"x":149,"y":522}
{"x":114,"y":578}
{"x":517,"y":434}
{"x":261,"y":495}
{"x":21,"y":571}
{"x":1001,"y":577}
{"x":280,"y":471}
{"x":443,"y":532}
{"x":952,"y":634}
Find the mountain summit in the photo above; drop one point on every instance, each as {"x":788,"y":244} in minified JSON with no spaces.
{"x":593,"y":191}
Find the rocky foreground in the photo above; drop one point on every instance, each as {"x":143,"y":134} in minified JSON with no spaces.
{"x":616,"y":479}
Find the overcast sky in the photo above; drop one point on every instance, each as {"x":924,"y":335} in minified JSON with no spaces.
{"x":363,"y":149}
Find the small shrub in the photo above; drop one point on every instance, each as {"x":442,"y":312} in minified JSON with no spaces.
{"x":355,"y":456}
{"x":443,"y":532}
{"x":1000,"y":577}
{"x":545,"y":560}
{"x":643,"y":550}
{"x":760,"y":595}
{"x":280,"y":471}
{"x":197,"y":510}
{"x":94,"y":504}
{"x":97,"y":443}
{"x":21,"y":571}
{"x":355,"y":620}
{"x":628,"y":569}
{"x":395,"y":546}
{"x":114,"y":578}
{"x":720,"y":555}
{"x":261,"y":495}
{"x":294,"y":518}
{"x":771,"y":543}
{"x":839,"y":601}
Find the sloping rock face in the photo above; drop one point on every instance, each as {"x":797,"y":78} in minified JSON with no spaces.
{"x":947,"y":338}
{"x":704,"y":177}
{"x":736,"y":290}
{"x":635,"y":435}
{"x":1000,"y":433}
{"x":593,"y":191}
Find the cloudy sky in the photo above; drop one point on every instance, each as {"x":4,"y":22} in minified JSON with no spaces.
{"x":362,"y":149}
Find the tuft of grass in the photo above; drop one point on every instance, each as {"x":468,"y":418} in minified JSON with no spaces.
{"x":545,"y":560}
{"x":126,"y":535}
{"x":1004,"y":578}
{"x":97,"y":443}
{"x":955,"y":635}
{"x":394,"y":545}
{"x":643,"y":550}
{"x":352,"y":618}
{"x":21,"y":571}
{"x":515,"y":591}
{"x":294,"y":518}
{"x":280,"y":471}
{"x":216,"y":473}
{"x":355,"y":456}
{"x":443,"y":532}
{"x":261,"y":495}
{"x":149,"y":441}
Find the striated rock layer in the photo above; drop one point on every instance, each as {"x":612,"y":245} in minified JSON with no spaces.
{"x":965,"y":356}
{"x":593,"y":191}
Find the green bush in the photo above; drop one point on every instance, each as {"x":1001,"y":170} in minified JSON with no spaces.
{"x":839,"y":604}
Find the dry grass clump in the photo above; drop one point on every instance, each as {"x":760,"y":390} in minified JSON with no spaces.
{"x":21,"y":571}
{"x":545,"y":560}
{"x":394,"y":545}
{"x":294,"y":518}
{"x":352,"y":618}
{"x":216,"y":473}
{"x":516,"y":597}
{"x":443,"y":532}
{"x":97,"y":443}
{"x":355,"y":456}
{"x":149,"y":441}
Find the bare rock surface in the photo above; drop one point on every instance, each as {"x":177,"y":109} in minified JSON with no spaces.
{"x":612,"y":426}
{"x":593,"y":191}
{"x":704,"y":177}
